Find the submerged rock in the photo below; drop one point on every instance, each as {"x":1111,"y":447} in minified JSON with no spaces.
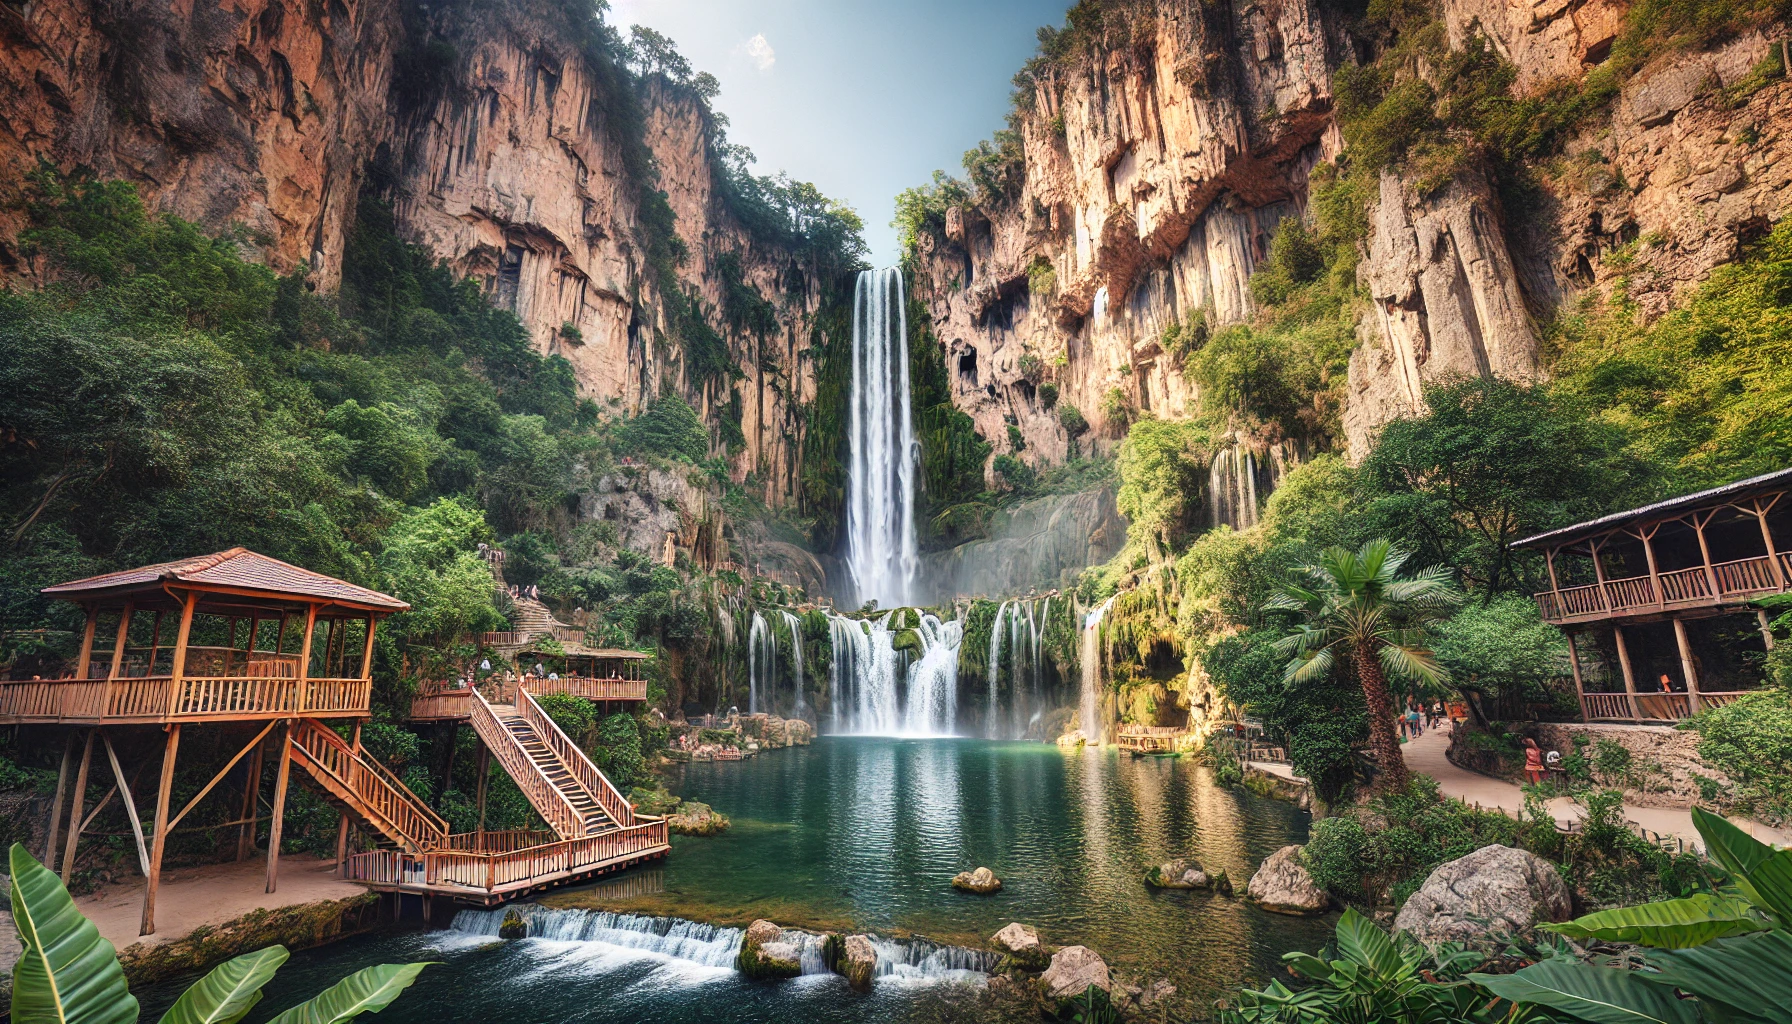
{"x":513,"y":926}
{"x":1178,"y":874}
{"x":1020,"y":945}
{"x":982,"y":881}
{"x":696,"y":819}
{"x":1222,"y":882}
{"x":1282,"y":885}
{"x":1157,"y":992}
{"x":1073,"y":969}
{"x":765,"y":954}
{"x":1484,"y":897}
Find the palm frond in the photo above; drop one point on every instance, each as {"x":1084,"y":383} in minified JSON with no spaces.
{"x":1306,"y":669}
{"x":1413,"y":665}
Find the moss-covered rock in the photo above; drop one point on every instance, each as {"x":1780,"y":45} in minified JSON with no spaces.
{"x":697,"y":819}
{"x":764,"y":955}
{"x":981,"y":881}
{"x":513,"y":926}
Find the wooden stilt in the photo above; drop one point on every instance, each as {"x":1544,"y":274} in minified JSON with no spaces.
{"x":485,"y":770}
{"x":342,"y":826}
{"x":1693,"y":701}
{"x":274,"y":830}
{"x":68,"y":755}
{"x":160,"y":835}
{"x":86,"y":662}
{"x":1766,"y":627}
{"x":75,"y":808}
{"x":130,"y":804}
{"x":124,"y":630}
{"x":1636,"y":709}
{"x":1580,"y":687}
{"x":245,"y":833}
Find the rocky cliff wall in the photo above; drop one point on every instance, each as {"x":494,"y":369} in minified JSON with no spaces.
{"x":503,"y":152}
{"x":1037,"y":545}
{"x":1158,"y":168}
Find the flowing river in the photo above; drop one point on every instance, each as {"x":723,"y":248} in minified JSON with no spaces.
{"x":866,"y":833}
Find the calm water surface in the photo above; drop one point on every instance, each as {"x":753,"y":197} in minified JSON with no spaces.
{"x":867,"y":833}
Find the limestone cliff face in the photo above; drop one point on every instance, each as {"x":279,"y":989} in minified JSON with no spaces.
{"x":1185,"y":144}
{"x":1037,"y":545}
{"x":510,"y":165}
{"x":1178,"y":156}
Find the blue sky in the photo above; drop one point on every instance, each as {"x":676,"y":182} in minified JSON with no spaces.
{"x":862,"y":99}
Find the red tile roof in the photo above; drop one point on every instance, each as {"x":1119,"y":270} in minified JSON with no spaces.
{"x":237,"y":568}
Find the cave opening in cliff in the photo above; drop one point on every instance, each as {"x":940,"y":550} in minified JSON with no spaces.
{"x":967,"y":367}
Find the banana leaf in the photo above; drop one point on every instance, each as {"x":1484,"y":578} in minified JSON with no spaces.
{"x":67,"y":973}
{"x":1601,"y":995}
{"x":229,"y":992}
{"x":368,"y":990}
{"x":1750,"y":975}
{"x":1362,"y":941}
{"x":1763,"y":873}
{"x":1669,"y":924}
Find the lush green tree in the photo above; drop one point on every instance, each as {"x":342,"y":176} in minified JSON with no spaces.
{"x":1163,"y":472}
{"x":1750,"y":741}
{"x":429,"y":558}
{"x":1322,"y":722}
{"x":1356,"y":603}
{"x":618,"y":751}
{"x":1494,"y":460}
{"x":1499,"y":651}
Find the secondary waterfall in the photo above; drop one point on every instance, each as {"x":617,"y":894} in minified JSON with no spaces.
{"x":995,"y":670}
{"x":762,"y":663}
{"x":1018,"y":630}
{"x":795,"y":626}
{"x":1089,"y":707}
{"x":881,"y":553}
{"x":1239,"y":480}
{"x":880,"y":691}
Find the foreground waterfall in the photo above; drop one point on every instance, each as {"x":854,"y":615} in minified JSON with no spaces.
{"x":795,"y":626}
{"x":880,"y":691}
{"x":1018,"y":628}
{"x":881,"y":552}
{"x":707,"y":945}
{"x":762,"y":663}
{"x":1089,"y":707}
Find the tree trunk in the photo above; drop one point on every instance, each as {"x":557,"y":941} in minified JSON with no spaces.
{"x":1382,"y":738}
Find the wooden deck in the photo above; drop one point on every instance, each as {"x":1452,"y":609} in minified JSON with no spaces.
{"x":1650,"y":707}
{"x":1151,"y":739}
{"x":161,"y":700}
{"x":441,"y":702}
{"x":1725,"y":584}
{"x":495,"y":867}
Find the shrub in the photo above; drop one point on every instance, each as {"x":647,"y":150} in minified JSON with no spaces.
{"x":1048,"y":394}
{"x":1750,"y":740}
{"x":1071,"y":418}
{"x":667,"y":428}
{"x":1334,"y":856}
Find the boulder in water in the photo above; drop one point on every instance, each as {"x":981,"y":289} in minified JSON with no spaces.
{"x":981,"y":881}
{"x":1283,"y":886}
{"x":1020,"y":945}
{"x":1073,"y":738}
{"x":513,"y":926}
{"x":765,"y":954}
{"x":1222,"y":882}
{"x":857,"y":962}
{"x":1483,"y":898}
{"x":1073,"y":970}
{"x":697,"y":819}
{"x":1178,"y":874}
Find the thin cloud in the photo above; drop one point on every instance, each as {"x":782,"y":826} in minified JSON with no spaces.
{"x":759,"y":52}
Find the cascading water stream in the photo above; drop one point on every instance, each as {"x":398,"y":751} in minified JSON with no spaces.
{"x":762,"y":663}
{"x":881,"y":548}
{"x":885,"y":692}
{"x":995,"y":670}
{"x":1089,"y":707}
{"x":795,"y":626}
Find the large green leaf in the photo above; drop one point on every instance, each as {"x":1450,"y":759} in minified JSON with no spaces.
{"x":229,"y":992}
{"x":1362,"y":941}
{"x":1750,"y":974}
{"x":368,"y":990}
{"x":1669,"y":924}
{"x":1763,"y":873}
{"x":67,"y":973}
{"x":1603,"y":995}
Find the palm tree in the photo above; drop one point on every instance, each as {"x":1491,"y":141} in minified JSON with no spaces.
{"x":1356,"y":604}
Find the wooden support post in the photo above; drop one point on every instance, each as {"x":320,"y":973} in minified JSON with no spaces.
{"x":68,"y":755}
{"x":1580,"y":687}
{"x":1686,"y":665}
{"x":76,"y":806}
{"x":1636,"y":709}
{"x":367,"y":651}
{"x":155,"y":643}
{"x":274,"y":829}
{"x":86,"y":662}
{"x":1549,"y":560}
{"x":179,"y":670}
{"x":245,"y":833}
{"x":1698,"y":527}
{"x":1766,"y":627}
{"x":485,"y":771}
{"x":305,"y":649}
{"x":342,"y":825}
{"x":159,"y":839}
{"x":124,"y":629}
{"x":280,"y":638}
{"x":1648,"y":537}
{"x":1773,"y":557}
{"x":130,"y":804}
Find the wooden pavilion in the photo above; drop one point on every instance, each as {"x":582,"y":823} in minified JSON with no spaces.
{"x":258,"y":641}
{"x":1694,"y":564}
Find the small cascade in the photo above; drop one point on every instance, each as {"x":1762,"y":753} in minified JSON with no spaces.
{"x":1039,"y":628}
{"x":795,"y":626}
{"x":881,"y":548}
{"x":880,"y":691}
{"x":762,"y":663}
{"x":1241,"y":478}
{"x":995,"y":670}
{"x":898,"y":960}
{"x":1089,"y":707}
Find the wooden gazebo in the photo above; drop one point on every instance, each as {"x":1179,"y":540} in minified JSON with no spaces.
{"x":1683,"y":561}
{"x":233,"y":636}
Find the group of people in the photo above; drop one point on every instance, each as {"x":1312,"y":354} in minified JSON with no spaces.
{"x":1417,"y":718}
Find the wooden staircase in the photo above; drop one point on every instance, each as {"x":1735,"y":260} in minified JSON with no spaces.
{"x":356,"y":783}
{"x":560,"y":782}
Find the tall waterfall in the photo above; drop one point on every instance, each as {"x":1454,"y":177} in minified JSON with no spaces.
{"x":880,"y":691}
{"x":880,"y":508}
{"x":1089,"y":709}
{"x":762,"y":663}
{"x":795,"y":626}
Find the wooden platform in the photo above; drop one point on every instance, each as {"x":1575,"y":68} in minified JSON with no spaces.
{"x":443,"y":702}
{"x":496,"y":867}
{"x":161,"y":700}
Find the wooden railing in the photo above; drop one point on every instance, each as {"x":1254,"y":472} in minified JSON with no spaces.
{"x":159,"y":698}
{"x":1745,"y":576}
{"x":1658,"y":707}
{"x":590,"y":688}
{"x":543,"y":795}
{"x":441,"y":700}
{"x":594,"y":781}
{"x":1740,"y":578}
{"x":1684,"y":585}
{"x":509,"y":638}
{"x":568,"y":634}
{"x":376,"y":795}
{"x":1606,"y":705}
{"x":491,"y":871}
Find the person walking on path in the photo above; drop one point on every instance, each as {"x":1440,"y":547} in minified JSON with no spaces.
{"x":1533,"y":761}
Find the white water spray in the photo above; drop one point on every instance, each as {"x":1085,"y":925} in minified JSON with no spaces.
{"x":885,"y":692}
{"x":795,"y":626}
{"x":881,"y":552}
{"x":762,"y":663}
{"x":1090,"y":706}
{"x":995,"y":670}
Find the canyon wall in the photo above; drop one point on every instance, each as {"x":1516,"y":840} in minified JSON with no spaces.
{"x":1158,"y":168}
{"x":497,"y":136}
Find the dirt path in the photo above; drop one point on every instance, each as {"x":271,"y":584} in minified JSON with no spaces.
{"x":211,"y":894}
{"x":1426,"y":754}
